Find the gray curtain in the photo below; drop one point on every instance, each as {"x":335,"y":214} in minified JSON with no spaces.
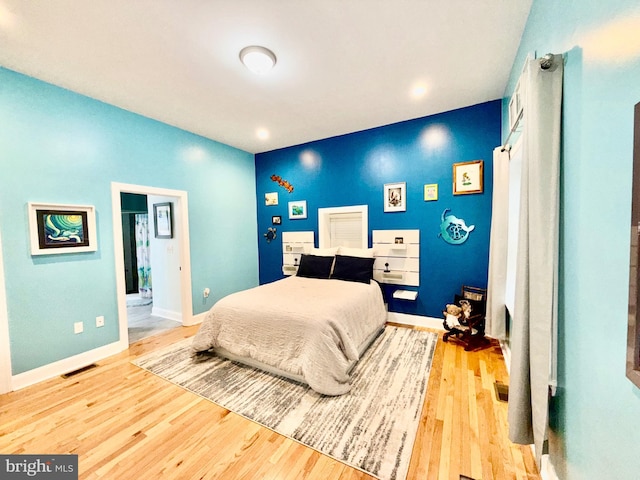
{"x":498,"y":246}
{"x":535,"y":312}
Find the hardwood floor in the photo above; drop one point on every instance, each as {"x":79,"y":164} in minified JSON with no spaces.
{"x":126,"y":423}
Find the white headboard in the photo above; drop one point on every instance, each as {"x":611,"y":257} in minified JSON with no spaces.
{"x":397,"y":257}
{"x":293,"y":245}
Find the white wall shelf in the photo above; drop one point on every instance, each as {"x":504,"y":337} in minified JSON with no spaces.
{"x":397,"y":254}
{"x":406,"y":295}
{"x":294,"y":244}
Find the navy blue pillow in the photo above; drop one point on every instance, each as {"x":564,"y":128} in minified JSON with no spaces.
{"x":314,"y":266}
{"x":353,"y":269}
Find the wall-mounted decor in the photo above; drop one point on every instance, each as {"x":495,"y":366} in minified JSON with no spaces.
{"x":62,"y":228}
{"x":271,"y":198}
{"x":467,"y":177}
{"x":163,"y":220}
{"x":282,"y":182}
{"x":454,"y":230}
{"x":298,"y":210}
{"x":395,"y":197}
{"x":276,"y":220}
{"x":431,"y":192}
{"x":271,"y":234}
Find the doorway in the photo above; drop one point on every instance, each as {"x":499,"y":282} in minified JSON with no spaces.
{"x":170,"y":257}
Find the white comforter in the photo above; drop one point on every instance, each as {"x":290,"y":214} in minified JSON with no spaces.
{"x":307,"y":327}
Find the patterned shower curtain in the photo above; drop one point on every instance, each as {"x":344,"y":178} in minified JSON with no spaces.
{"x":142,"y":254}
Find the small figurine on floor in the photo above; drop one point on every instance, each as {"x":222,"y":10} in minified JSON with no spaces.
{"x":466,"y":308}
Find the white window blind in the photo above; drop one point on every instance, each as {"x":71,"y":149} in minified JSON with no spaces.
{"x":343,"y":226}
{"x":345,"y":229}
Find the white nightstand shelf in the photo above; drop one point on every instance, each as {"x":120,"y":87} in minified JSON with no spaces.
{"x":405,"y":295}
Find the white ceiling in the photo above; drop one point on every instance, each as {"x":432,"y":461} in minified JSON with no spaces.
{"x":343,"y":65}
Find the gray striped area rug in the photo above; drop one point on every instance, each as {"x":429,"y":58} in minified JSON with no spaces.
{"x":371,"y":428}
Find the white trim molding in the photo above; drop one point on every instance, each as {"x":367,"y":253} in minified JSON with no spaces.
{"x":5,"y":344}
{"x":415,"y":320}
{"x":65,"y":365}
{"x":547,"y":470}
{"x":182,"y":232}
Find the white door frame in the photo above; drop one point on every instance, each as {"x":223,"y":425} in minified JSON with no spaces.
{"x":5,"y":344}
{"x":182,"y":231}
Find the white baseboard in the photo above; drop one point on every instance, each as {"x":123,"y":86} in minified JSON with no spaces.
{"x":65,"y":365}
{"x":415,"y":320}
{"x":195,"y":319}
{"x":547,"y":471}
{"x":168,"y":314}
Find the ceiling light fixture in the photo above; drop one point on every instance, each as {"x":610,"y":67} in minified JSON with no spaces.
{"x":262,"y":133}
{"x":257,"y":59}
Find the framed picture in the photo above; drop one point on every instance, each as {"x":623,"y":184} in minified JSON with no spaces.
{"x":56,"y":228}
{"x":395,"y":197}
{"x":276,"y":220}
{"x":467,"y":177}
{"x":399,"y":240}
{"x":298,"y":210}
{"x":431,"y":192}
{"x":271,"y":198}
{"x":163,"y":220}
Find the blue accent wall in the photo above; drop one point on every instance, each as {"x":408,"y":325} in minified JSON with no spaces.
{"x":352,"y":170}
{"x":60,"y":147}
{"x":595,"y":418}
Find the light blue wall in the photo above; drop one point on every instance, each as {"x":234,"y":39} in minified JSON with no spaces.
{"x":596,"y":415}
{"x":60,"y":147}
{"x":352,"y":170}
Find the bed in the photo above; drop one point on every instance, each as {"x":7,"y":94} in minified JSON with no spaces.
{"x":310,"y":328}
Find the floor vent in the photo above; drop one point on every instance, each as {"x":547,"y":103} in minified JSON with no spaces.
{"x":502,"y":391}
{"x":80,"y":370}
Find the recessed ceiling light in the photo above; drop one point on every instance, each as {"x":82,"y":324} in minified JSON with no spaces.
{"x":418,"y":90}
{"x":257,"y":59}
{"x":262,"y":133}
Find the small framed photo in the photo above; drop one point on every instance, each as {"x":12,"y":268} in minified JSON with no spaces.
{"x":56,"y":228}
{"x":395,"y":197}
{"x":163,"y":220}
{"x":271,"y":198}
{"x":298,"y":210}
{"x":431,"y":192}
{"x":276,"y":220}
{"x":399,"y":240}
{"x":467,"y":177}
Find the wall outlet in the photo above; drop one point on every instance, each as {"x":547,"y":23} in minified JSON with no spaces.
{"x":206,"y":292}
{"x":100,"y":321}
{"x":78,"y":327}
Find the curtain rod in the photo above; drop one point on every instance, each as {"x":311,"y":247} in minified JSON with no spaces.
{"x":545,"y":64}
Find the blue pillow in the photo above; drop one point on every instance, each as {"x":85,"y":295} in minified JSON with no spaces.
{"x":353,"y":269}
{"x":314,"y":266}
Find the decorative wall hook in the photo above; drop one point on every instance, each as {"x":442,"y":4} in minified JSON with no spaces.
{"x":271,"y":234}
